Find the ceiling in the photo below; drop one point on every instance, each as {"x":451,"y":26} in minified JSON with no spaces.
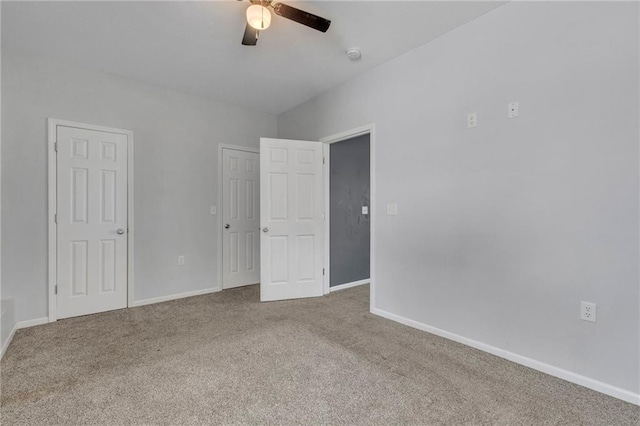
{"x":195,"y":46}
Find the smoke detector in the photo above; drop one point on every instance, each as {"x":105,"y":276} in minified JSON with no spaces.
{"x":354,"y":54}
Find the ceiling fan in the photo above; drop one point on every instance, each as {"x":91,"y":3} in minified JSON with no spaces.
{"x":259,"y":19}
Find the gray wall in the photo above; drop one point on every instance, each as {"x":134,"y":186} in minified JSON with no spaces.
{"x":7,"y":317}
{"x":175,"y":179}
{"x":349,"y":229}
{"x":504,"y":228}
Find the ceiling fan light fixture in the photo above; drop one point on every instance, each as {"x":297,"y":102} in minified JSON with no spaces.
{"x":258,"y":17}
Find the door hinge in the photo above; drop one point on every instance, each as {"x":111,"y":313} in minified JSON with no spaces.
{"x":55,"y":146}
{"x":55,"y":289}
{"x":322,"y":160}
{"x":55,"y":218}
{"x":322,"y":271}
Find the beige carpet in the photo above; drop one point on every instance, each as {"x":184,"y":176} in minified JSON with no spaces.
{"x":226,"y":358}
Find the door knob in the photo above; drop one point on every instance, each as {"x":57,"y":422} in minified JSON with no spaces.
{"x":265,"y":229}
{"x":120,"y":231}
{"x":227,"y":226}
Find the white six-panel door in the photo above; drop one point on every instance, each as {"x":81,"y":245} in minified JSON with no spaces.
{"x":240,"y":218}
{"x":91,"y":221}
{"x":291,"y":209}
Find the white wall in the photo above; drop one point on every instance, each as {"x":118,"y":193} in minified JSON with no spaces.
{"x":503,"y":229}
{"x":7,"y":317}
{"x":176,"y":147}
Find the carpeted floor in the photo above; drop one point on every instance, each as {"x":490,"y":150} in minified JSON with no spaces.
{"x":226,"y":358}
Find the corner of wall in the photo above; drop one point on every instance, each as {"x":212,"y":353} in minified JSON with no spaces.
{"x":7,"y":324}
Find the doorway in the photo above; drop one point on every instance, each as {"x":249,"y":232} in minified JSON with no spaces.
{"x":349,"y":205}
{"x":240,"y":206}
{"x":90,"y":219}
{"x":296,"y":216}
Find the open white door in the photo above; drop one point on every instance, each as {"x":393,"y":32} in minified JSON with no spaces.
{"x":291,"y":210}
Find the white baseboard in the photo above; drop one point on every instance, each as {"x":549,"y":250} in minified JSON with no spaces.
{"x":19,"y":325}
{"x":173,"y":297}
{"x":348,"y":285}
{"x":32,"y":323}
{"x":238,"y":286}
{"x":9,"y":339}
{"x":45,"y":320}
{"x":569,"y":376}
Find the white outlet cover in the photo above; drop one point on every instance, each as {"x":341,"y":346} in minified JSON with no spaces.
{"x":588,"y":311}
{"x":213,"y":210}
{"x":365,"y":210}
{"x":180,"y":260}
{"x":392,"y":209}
{"x":513,"y":109}
{"x":472,"y":120}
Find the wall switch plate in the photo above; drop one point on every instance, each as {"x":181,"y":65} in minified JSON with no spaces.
{"x":365,"y":209}
{"x":588,"y":311}
{"x":392,"y":209}
{"x":513,"y":109}
{"x":180,"y":260}
{"x":213,"y":210}
{"x":472,"y":120}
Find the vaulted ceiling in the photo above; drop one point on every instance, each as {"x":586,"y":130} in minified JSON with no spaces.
{"x":195,"y":46}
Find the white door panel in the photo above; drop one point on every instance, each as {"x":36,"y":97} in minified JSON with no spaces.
{"x":240,"y":217}
{"x":291,"y":206}
{"x":92,"y":207}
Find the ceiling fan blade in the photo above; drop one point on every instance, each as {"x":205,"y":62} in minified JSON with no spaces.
{"x":250,"y":37}
{"x":302,"y":17}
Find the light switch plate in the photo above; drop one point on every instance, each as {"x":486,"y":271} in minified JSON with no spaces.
{"x":392,"y":209}
{"x":213,"y":210}
{"x":365,"y":209}
{"x":472,"y":120}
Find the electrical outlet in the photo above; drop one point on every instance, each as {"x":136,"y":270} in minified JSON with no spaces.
{"x":513,"y":110}
{"x":180,"y":260}
{"x":588,"y":311}
{"x":365,"y":209}
{"x":392,"y":209}
{"x":213,"y":210}
{"x":472,"y":120}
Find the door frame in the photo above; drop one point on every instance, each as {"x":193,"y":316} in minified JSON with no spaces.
{"x":52,"y":186}
{"x":327,"y":141}
{"x":219,"y":208}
